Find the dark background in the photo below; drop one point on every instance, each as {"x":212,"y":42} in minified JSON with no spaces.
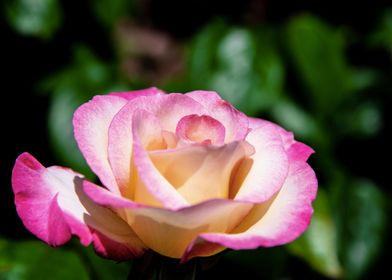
{"x":28,"y":59}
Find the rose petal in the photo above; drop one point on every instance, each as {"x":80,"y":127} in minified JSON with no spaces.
{"x":129,"y":95}
{"x":276,"y":222}
{"x":234,"y":121}
{"x":154,"y":184}
{"x":170,"y":232}
{"x":263,"y":174}
{"x":295,"y":150}
{"x":169,"y":109}
{"x":201,"y":172}
{"x":91,"y":124}
{"x":201,"y":129}
{"x":53,"y":206}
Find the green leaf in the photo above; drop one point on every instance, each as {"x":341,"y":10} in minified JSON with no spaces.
{"x":36,"y":260}
{"x":241,"y":64}
{"x":202,"y":54}
{"x":363,"y":227}
{"x":38,"y":18}
{"x":318,"y":245}
{"x":318,"y":55}
{"x":110,"y":11}
{"x":61,"y":110}
{"x":293,"y":118}
{"x":364,"y":119}
{"x":104,"y":269}
{"x":383,"y":34}
{"x":86,"y":77}
{"x":235,"y":56}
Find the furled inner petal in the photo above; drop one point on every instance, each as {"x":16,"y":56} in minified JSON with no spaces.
{"x":234,"y":121}
{"x":201,"y":172}
{"x":201,"y":129}
{"x":152,"y":188}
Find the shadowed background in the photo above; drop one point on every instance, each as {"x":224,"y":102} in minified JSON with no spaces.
{"x":320,"y":70}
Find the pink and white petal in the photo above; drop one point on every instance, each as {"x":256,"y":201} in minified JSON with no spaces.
{"x":91,"y":125}
{"x":53,"y":206}
{"x":299,"y":151}
{"x":234,"y":121}
{"x":263,"y":173}
{"x":295,"y":150}
{"x":201,"y":129}
{"x":156,"y":190}
{"x":170,"y":232}
{"x":186,"y":169}
{"x":281,"y":221}
{"x":169,"y":109}
{"x":129,"y":95}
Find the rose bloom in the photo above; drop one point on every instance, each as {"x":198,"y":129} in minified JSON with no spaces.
{"x":184,"y":175}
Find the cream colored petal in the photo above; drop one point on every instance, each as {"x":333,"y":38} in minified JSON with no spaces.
{"x":201,"y":172}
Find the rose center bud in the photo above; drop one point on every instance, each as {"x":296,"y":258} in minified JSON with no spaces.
{"x":201,"y":129}
{"x":202,"y":172}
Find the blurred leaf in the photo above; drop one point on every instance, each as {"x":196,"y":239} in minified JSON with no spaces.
{"x":364,"y":119}
{"x":223,"y":54}
{"x":61,"y":111}
{"x":39,"y":18}
{"x":235,"y":56}
{"x":36,"y":260}
{"x":105,"y":269}
{"x":364,"y":226}
{"x":318,"y":53}
{"x":295,"y":119}
{"x":383,"y":34}
{"x":203,"y":53}
{"x":363,"y":79}
{"x":86,"y":77}
{"x":110,"y":11}
{"x":318,"y":245}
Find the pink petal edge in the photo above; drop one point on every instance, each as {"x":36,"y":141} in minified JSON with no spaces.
{"x":287,"y":218}
{"x":52,"y":205}
{"x":129,"y":95}
{"x":91,"y":125}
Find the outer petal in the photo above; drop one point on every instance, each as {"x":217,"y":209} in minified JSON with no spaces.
{"x":234,"y":121}
{"x":295,"y":150}
{"x":264,"y":173}
{"x":91,"y":125}
{"x":276,"y":222}
{"x":170,"y":232}
{"x":129,"y":95}
{"x":53,"y":206}
{"x":169,"y":109}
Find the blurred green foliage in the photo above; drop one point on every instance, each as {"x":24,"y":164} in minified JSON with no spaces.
{"x":253,"y":68}
{"x":38,"y":18}
{"x":318,"y":245}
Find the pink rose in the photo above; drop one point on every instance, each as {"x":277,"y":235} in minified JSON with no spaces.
{"x":184,"y":175}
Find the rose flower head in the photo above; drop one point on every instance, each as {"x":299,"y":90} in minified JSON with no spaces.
{"x":184,"y":175}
